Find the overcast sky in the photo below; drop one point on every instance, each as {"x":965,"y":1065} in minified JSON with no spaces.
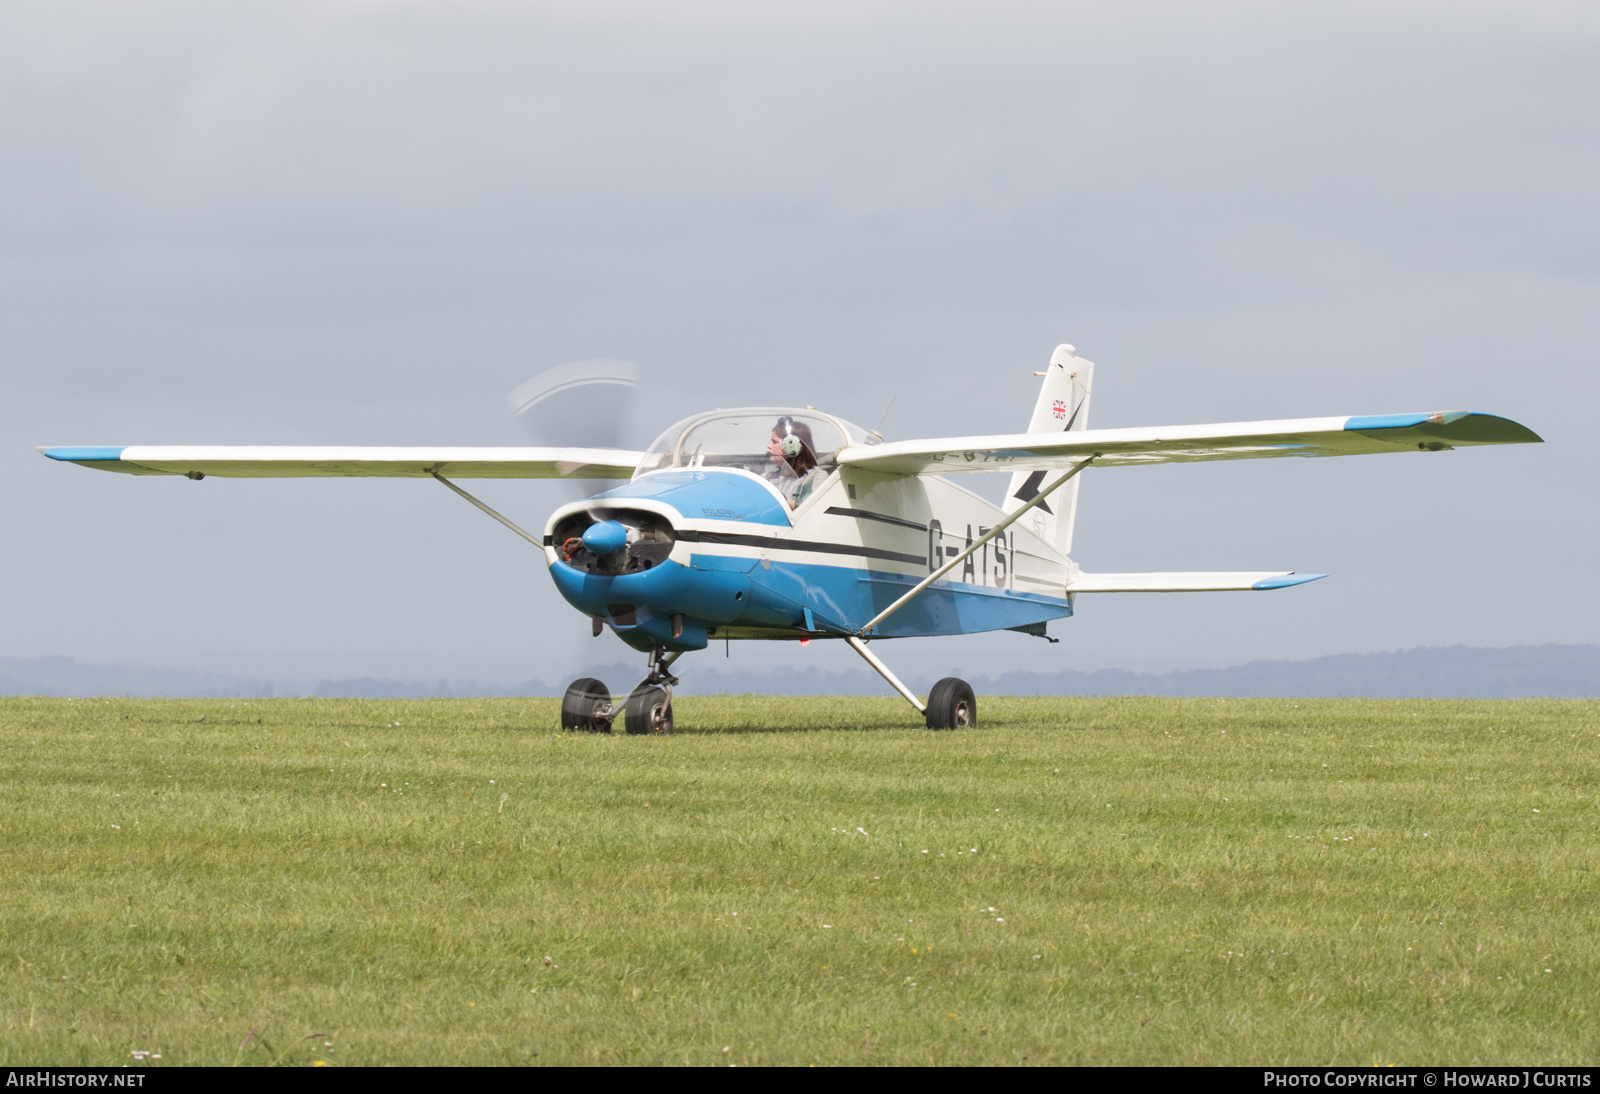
{"x":367,"y":222}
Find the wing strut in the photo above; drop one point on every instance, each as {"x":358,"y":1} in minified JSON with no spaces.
{"x":1033,"y":502}
{"x":503,"y":520}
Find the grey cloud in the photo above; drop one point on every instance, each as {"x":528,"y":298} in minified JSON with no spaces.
{"x":314,"y":222}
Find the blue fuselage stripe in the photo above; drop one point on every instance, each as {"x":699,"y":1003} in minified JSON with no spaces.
{"x":773,"y":595}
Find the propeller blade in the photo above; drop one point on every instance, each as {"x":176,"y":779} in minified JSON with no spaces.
{"x":581,"y":404}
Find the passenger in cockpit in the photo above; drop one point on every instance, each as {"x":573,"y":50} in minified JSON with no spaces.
{"x":793,"y":455}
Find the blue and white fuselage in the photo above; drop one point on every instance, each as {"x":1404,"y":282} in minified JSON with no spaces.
{"x":721,"y":549}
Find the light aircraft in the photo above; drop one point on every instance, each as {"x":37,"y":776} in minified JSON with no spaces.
{"x":773,"y":523}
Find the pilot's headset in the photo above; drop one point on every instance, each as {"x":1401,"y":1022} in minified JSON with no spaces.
{"x":792,"y":439}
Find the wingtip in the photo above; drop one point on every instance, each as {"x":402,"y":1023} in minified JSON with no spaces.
{"x":1451,"y":427}
{"x":81,"y":454}
{"x":1287,"y":580}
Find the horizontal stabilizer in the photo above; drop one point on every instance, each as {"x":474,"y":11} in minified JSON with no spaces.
{"x":279,"y":462}
{"x":1185,"y":582}
{"x":1189,"y":443}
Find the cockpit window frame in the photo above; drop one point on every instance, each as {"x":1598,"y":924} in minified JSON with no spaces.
{"x":659,"y":451}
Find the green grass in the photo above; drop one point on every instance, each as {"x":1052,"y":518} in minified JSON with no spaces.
{"x":1172,"y":881}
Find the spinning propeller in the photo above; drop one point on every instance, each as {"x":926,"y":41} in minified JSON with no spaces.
{"x":581,"y":404}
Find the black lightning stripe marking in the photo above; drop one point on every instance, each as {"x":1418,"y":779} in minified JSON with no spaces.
{"x":1030,"y":490}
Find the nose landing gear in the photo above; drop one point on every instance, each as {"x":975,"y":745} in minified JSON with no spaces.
{"x":649,"y":706}
{"x":647,"y":709}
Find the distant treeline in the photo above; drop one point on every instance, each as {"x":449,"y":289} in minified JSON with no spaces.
{"x":1453,"y":672}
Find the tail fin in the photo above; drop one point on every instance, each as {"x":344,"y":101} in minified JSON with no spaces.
{"x":1063,"y":406}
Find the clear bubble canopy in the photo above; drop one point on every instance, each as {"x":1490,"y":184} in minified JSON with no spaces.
{"x":742,"y":438}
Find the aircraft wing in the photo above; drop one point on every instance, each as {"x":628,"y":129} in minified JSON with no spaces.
{"x":243,"y":462}
{"x":1185,"y":582}
{"x":1186,"y":443}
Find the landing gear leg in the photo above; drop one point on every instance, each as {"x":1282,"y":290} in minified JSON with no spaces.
{"x":951,"y":704}
{"x":649,"y":707}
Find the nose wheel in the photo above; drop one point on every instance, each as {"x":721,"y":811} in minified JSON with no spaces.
{"x":587,"y":704}
{"x":649,"y":706}
{"x":648,"y":710}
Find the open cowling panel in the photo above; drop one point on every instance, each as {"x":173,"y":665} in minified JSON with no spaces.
{"x":613,"y":541}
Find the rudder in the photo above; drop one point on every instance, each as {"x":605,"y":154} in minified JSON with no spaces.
{"x":1063,"y":406}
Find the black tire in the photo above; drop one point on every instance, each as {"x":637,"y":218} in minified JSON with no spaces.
{"x":648,"y":710}
{"x":952,"y":705}
{"x":582,"y":704}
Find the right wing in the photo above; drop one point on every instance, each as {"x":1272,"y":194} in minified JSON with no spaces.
{"x":282,"y":462}
{"x":1186,"y":443}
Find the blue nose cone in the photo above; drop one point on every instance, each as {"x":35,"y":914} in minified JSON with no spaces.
{"x":605,"y":537}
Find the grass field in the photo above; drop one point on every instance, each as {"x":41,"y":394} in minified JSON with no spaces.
{"x":793,"y":881}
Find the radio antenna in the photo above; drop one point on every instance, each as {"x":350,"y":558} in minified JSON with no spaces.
{"x":878,"y":433}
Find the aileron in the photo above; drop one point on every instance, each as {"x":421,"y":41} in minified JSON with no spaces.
{"x":1348,"y":436}
{"x":273,"y":462}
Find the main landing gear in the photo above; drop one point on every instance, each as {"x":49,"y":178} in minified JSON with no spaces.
{"x":951,"y":704}
{"x":587,"y":704}
{"x":647,"y":709}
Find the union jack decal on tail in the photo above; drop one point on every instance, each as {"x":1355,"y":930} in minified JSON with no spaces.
{"x":1059,"y":409}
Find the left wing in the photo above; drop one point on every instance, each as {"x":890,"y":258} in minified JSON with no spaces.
{"x":243,"y":462}
{"x":1185,"y":582}
{"x":1186,"y":443}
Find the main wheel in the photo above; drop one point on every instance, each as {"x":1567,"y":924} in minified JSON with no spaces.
{"x":952,"y":705}
{"x":648,"y":710}
{"x":583,"y":705}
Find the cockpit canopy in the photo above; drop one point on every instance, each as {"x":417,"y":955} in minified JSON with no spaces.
{"x":740,"y":438}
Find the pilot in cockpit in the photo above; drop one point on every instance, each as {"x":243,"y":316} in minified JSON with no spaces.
{"x":793,"y":455}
